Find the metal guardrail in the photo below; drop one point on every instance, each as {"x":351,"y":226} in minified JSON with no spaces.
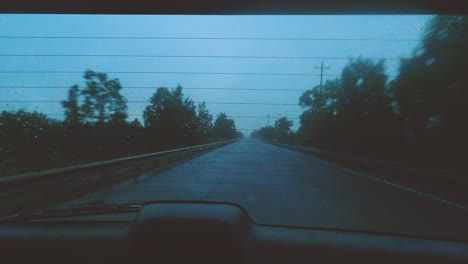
{"x":33,"y":190}
{"x":25,"y":176}
{"x":447,"y":175}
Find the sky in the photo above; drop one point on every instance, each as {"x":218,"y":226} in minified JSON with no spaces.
{"x":327,"y":37}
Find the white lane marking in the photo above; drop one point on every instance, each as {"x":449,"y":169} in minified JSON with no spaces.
{"x":396,"y":185}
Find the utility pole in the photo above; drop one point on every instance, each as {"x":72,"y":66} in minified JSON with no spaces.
{"x":268,"y":122}
{"x":321,"y":74}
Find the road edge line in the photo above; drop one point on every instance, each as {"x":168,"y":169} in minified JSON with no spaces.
{"x":396,"y":185}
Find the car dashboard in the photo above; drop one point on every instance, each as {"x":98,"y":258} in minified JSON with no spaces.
{"x":206,"y":232}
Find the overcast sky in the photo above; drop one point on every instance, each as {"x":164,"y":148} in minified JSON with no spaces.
{"x":393,"y":28}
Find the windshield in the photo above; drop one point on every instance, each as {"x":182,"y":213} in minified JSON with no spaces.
{"x":349,"y":122}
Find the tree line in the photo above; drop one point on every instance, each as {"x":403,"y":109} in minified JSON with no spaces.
{"x":95,"y":127}
{"x":419,"y":116}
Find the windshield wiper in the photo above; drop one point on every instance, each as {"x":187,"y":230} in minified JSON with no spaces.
{"x":85,"y":209}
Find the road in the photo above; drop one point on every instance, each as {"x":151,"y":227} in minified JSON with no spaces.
{"x":284,"y":187}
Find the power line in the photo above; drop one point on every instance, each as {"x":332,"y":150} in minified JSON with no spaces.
{"x":229,"y":116}
{"x":180,"y":72}
{"x":227,"y":103}
{"x":152,"y":87}
{"x":175,"y":72}
{"x":215,"y":38}
{"x":188,"y":56}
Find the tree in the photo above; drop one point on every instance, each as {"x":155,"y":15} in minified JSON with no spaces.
{"x":170,"y":118}
{"x":28,"y":137}
{"x":72,"y":109}
{"x":433,"y":83}
{"x":136,"y":124}
{"x":431,"y":90}
{"x":280,"y":132}
{"x":224,"y":127}
{"x":446,"y":60}
{"x":349,"y":111}
{"x":319,"y":117}
{"x":362,"y":94}
{"x":321,"y":99}
{"x":363,"y":110}
{"x":283,"y":128}
{"x":96,"y":124}
{"x":204,"y":122}
{"x":102,"y":99}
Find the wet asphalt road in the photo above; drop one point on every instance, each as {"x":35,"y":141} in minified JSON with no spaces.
{"x":284,"y":187}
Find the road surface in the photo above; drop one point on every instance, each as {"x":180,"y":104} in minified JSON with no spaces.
{"x":284,"y":187}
